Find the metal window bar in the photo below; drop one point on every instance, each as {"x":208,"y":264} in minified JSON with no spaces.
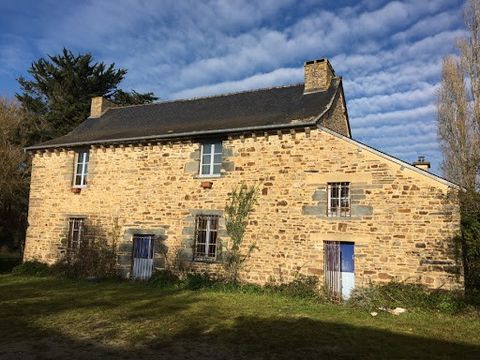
{"x":338,"y":199}
{"x":75,"y":233}
{"x":332,"y":270}
{"x":81,"y":169}
{"x":206,"y":238}
{"x":211,"y":159}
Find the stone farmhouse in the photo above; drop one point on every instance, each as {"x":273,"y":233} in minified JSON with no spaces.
{"x":328,"y":205}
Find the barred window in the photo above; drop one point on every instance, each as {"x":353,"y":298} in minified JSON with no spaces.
{"x":339,"y":199}
{"x":206,"y":238}
{"x":211,"y":159}
{"x":81,"y":169}
{"x":75,"y":233}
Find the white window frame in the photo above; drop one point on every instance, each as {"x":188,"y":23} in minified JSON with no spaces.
{"x":212,"y":159}
{"x":339,"y":211}
{"x":75,"y":232}
{"x":80,"y":155}
{"x":208,"y":238}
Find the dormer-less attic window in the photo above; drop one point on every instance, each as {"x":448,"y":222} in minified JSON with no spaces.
{"x":211,"y":159}
{"x":81,"y":169}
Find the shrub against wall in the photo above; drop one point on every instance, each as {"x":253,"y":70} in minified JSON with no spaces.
{"x":470,"y":240}
{"x":239,"y":206}
{"x":96,"y":256}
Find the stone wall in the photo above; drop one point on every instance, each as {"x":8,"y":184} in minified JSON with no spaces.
{"x":402,"y":221}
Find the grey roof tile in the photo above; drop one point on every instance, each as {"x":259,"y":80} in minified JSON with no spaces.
{"x":279,"y":106}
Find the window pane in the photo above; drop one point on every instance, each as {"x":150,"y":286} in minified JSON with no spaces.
{"x":79,"y":168}
{"x":218,"y":147}
{"x":216,"y":169}
{"x":211,"y":250}
{"x":207,"y":149}
{"x":334,"y":191}
{"x":214,"y":223}
{"x":206,"y":159}
{"x":201,"y":223}
{"x":205,"y":169}
{"x":217,"y":158}
{"x":333,"y":204}
{"x":78,"y":180}
{"x":200,"y":250}
{"x":86,"y":156}
{"x":344,"y":191}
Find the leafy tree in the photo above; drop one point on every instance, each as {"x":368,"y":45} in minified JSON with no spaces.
{"x":123,"y":98}
{"x":60,"y":89}
{"x":458,"y":115}
{"x":14,"y":174}
{"x":237,"y":210}
{"x":458,"y":109}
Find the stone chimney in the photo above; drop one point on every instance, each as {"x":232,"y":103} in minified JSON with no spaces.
{"x":421,"y":163}
{"x":99,"y":106}
{"x":318,"y":75}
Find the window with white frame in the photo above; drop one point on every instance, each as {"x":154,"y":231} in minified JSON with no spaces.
{"x":338,"y":203}
{"x":75,"y":233}
{"x":211,"y":159}
{"x":206,"y":238}
{"x":81,"y":169}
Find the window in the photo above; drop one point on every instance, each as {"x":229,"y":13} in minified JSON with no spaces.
{"x":338,"y":199}
{"x":206,"y":238}
{"x":75,"y":233}
{"x":211,"y":159}
{"x":81,"y":169}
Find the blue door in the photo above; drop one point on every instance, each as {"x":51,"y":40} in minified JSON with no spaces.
{"x":142,"y":257}
{"x":347,"y":268}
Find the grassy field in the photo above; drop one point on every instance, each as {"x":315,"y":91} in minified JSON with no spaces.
{"x":48,"y":318}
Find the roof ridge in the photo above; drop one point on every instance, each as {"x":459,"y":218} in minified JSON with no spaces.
{"x":206,"y":97}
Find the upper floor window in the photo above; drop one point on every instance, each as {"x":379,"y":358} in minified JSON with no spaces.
{"x":81,"y":169}
{"x":211,"y":159}
{"x":206,"y":237}
{"x":338,"y":199}
{"x":75,"y":233}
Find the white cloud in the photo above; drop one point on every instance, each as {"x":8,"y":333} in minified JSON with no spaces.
{"x":368,"y":105}
{"x":389,"y":52}
{"x":275,"y":78}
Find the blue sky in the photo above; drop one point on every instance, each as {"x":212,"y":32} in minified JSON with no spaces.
{"x":388,"y":53}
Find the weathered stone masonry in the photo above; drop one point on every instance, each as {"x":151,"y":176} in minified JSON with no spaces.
{"x":402,"y":223}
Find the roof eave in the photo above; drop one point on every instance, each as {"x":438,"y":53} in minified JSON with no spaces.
{"x":291,"y":125}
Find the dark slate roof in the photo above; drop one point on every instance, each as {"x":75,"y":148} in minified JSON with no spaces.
{"x":259,"y":109}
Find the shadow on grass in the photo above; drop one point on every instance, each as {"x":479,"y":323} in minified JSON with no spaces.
{"x":244,"y":337}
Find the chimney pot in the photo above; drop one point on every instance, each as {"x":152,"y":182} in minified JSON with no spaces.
{"x":318,"y":75}
{"x":421,"y":163}
{"x":99,"y":105}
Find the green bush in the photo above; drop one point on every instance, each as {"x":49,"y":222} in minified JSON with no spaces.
{"x":410,"y":296}
{"x":301,"y":287}
{"x":32,"y":268}
{"x":195,"y":281}
{"x":163,"y":278}
{"x":94,"y":259}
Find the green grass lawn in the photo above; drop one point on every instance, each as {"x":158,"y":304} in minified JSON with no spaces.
{"x":48,"y":318}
